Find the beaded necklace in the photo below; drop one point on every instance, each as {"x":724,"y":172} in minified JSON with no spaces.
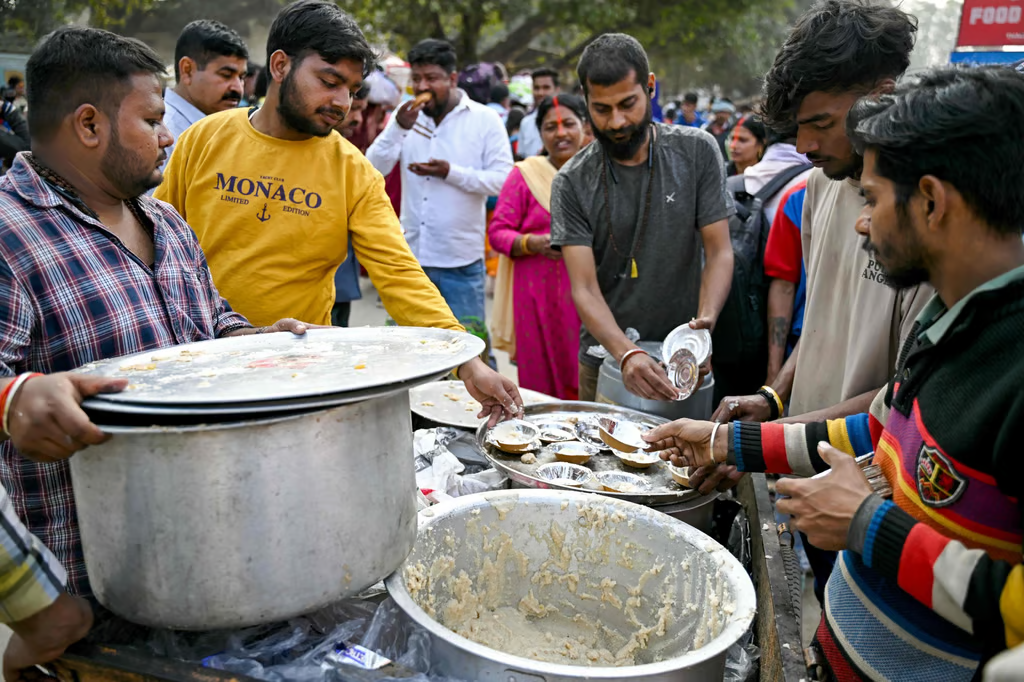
{"x":65,"y":189}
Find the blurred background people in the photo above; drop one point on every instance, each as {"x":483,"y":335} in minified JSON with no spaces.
{"x":545,"y":84}
{"x":210,"y":64}
{"x":544,"y":338}
{"x":747,"y":145}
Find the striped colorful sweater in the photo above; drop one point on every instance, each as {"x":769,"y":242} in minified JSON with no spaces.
{"x":931,"y":584}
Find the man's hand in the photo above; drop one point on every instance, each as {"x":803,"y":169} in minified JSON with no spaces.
{"x":704,"y":369}
{"x":687,"y":443}
{"x":46,"y":421}
{"x":643,"y":376}
{"x":44,"y":637}
{"x":431,"y":169}
{"x":498,"y":395}
{"x":286,"y":325}
{"x":823,"y":508}
{"x":746,"y":408}
{"x":407,"y":114}
{"x":721,"y":477}
{"x":541,"y":243}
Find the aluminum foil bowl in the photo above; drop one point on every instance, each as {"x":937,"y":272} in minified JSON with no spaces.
{"x":623,"y":482}
{"x":640,"y":459}
{"x":565,"y":473}
{"x":680,"y":475}
{"x":624,"y":436}
{"x":590,"y":433}
{"x":573,"y":453}
{"x":643,"y":567}
{"x":556,"y":433}
{"x":515,"y":436}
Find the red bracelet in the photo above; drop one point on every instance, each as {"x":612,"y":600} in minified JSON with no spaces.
{"x":8,"y":394}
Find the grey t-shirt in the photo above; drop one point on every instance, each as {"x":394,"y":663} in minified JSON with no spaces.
{"x":688,"y":194}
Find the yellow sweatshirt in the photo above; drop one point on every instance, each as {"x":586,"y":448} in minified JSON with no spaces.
{"x":274,"y":219}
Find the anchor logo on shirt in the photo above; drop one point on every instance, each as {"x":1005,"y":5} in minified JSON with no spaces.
{"x":263,"y":216}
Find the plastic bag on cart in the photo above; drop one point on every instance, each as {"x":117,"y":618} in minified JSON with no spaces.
{"x":464,"y":447}
{"x":438,"y":469}
{"x":434,"y":463}
{"x":391,"y":634}
{"x":482,"y":482}
{"x":741,"y":660}
{"x":600,"y":352}
{"x":294,"y":653}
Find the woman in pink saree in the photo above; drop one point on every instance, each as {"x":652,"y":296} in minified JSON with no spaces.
{"x":546,"y":335}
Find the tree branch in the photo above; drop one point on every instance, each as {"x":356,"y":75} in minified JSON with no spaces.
{"x":517,"y":42}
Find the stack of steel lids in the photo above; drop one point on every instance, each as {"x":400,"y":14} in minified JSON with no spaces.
{"x":266,"y":375}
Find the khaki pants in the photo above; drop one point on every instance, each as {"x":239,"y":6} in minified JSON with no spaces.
{"x":588,"y":382}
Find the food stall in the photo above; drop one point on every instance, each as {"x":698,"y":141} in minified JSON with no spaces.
{"x":259,"y":502}
{"x":991,"y":32}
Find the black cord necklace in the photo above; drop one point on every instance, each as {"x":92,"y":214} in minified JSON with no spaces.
{"x":67,"y":190}
{"x":631,"y":271}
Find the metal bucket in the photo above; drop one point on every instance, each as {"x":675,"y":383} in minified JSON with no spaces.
{"x":612,"y":391}
{"x":231,"y":525}
{"x":510,"y":543}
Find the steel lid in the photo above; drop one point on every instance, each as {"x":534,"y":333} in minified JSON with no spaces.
{"x":281,"y":366}
{"x":697,"y":341}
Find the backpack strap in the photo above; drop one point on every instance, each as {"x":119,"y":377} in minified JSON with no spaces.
{"x":736,"y":185}
{"x":776,"y":184}
{"x":773,"y":187}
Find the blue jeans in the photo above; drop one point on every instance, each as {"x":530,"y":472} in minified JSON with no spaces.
{"x":463,"y":290}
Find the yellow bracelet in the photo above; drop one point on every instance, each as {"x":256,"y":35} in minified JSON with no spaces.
{"x":778,"y":400}
{"x":524,"y":245}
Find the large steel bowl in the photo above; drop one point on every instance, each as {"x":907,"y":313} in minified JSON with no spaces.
{"x":231,"y":525}
{"x":709,"y":598}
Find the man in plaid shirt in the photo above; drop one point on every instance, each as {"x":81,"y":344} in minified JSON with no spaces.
{"x":90,"y":267}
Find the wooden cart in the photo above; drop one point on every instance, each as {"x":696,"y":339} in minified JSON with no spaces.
{"x":777,"y":626}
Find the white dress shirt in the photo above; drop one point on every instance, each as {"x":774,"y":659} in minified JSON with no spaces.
{"x":530,"y":143}
{"x":179,"y":114}
{"x":444,"y":220}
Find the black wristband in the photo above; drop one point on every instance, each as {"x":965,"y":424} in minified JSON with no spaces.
{"x":773,"y":407}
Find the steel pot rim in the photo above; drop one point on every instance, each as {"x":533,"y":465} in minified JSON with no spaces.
{"x":222,"y":426}
{"x":738,"y":624}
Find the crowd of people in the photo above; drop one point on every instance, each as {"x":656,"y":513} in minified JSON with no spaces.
{"x":853,"y":246}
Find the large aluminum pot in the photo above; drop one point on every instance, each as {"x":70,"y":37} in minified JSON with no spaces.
{"x":592,"y":557}
{"x":232,"y":525}
{"x":612,"y":390}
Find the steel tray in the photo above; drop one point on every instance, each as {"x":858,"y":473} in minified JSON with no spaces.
{"x":449,"y":403}
{"x":666,"y":491}
{"x":282,"y":366}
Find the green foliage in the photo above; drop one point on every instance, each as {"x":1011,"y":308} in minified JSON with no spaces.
{"x":693,"y":35}
{"x":693,"y":42}
{"x":34,"y":18}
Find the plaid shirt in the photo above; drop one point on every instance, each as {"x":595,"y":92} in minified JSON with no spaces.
{"x":30,"y":577}
{"x":72,"y":293}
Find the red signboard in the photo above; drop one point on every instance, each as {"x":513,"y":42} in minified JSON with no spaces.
{"x":991,"y":23}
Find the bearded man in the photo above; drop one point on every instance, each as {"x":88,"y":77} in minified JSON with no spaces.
{"x":632,"y":216}
{"x":275,"y":194}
